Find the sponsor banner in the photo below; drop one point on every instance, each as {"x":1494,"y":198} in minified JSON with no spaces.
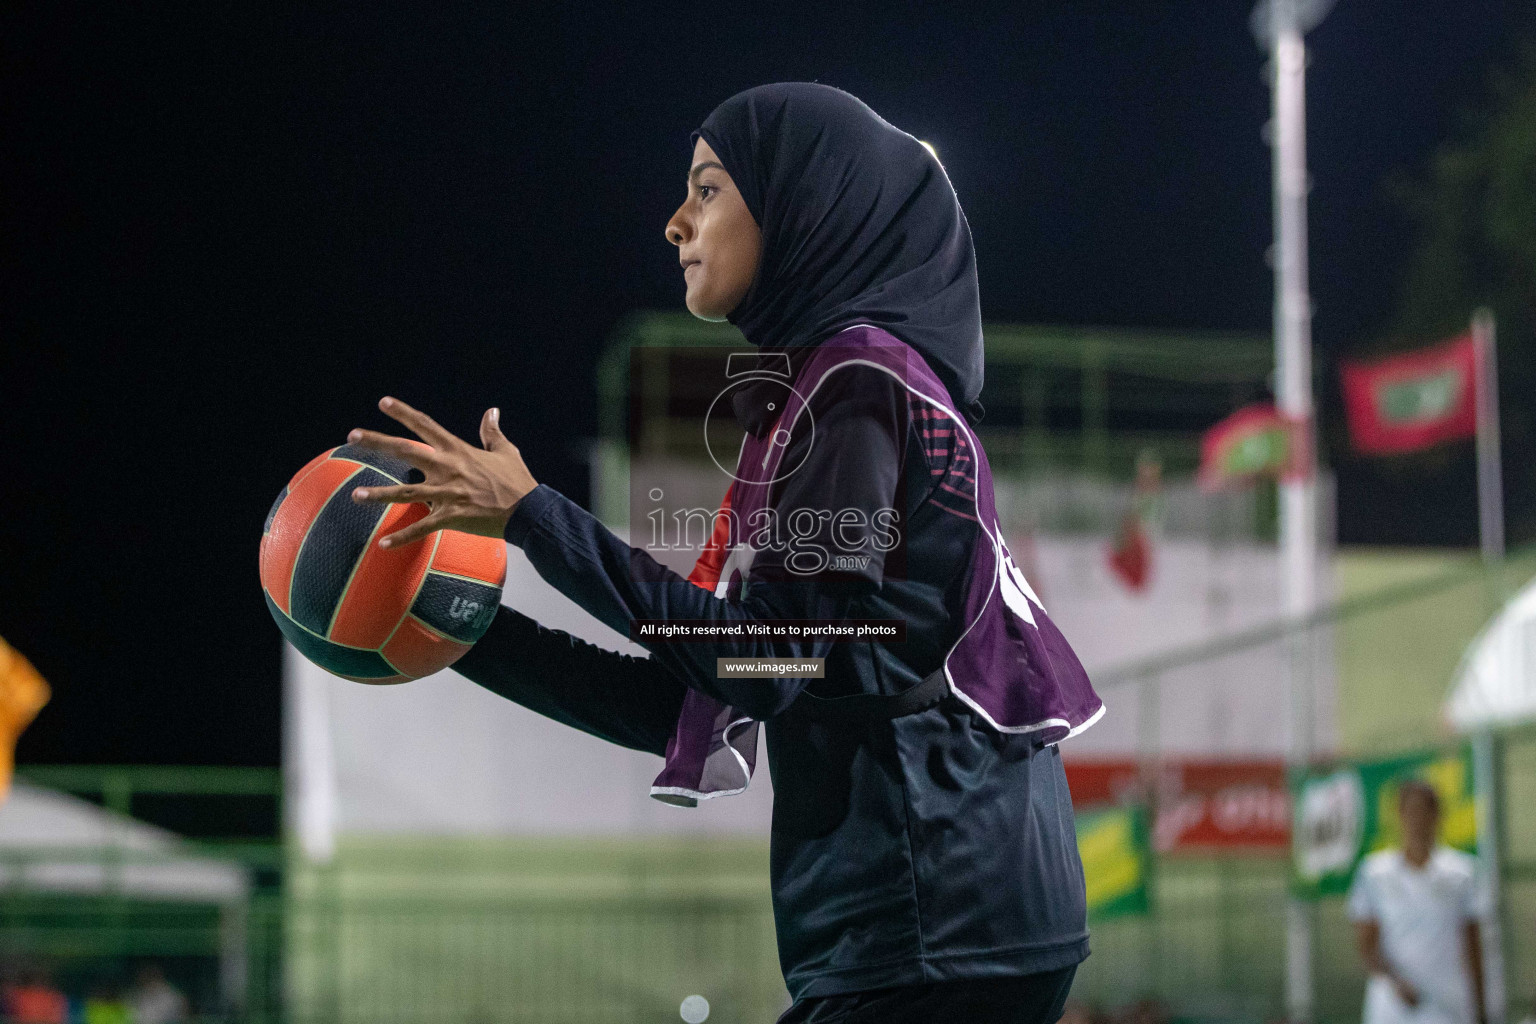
{"x":1345,"y":812}
{"x":1198,"y":804}
{"x":1112,"y":843}
{"x":1103,"y":781}
{"x":1222,"y":804}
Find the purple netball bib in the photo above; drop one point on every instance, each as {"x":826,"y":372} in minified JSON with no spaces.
{"x":1010,"y":665}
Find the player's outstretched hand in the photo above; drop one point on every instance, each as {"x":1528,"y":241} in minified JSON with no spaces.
{"x":466,"y":488}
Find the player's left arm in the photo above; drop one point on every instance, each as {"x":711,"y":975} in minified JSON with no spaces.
{"x":631,"y":701}
{"x":469,"y":489}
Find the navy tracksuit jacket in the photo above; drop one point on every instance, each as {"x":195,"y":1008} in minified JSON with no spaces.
{"x":904,"y":851}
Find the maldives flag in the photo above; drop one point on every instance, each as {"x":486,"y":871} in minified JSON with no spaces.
{"x":1257,"y":440}
{"x":1411,"y":401}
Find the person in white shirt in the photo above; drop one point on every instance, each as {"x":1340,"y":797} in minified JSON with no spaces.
{"x":1416,"y":912}
{"x":155,"y":1001}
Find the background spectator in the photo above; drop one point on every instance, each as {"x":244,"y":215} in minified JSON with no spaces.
{"x":155,"y":1000}
{"x":1415,"y":911}
{"x":32,"y":999}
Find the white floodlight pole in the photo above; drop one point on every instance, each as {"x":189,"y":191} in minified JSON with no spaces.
{"x":1485,"y":754}
{"x":1293,"y":319}
{"x":1293,"y":394}
{"x":1280,"y":25}
{"x":1490,"y":475}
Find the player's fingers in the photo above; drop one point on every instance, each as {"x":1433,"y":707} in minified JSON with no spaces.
{"x":490,"y":431}
{"x":416,"y":531}
{"x":425,"y":426}
{"x":414,"y":453}
{"x":399,"y":493}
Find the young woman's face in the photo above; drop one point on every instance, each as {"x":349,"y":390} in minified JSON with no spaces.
{"x":717,"y":240}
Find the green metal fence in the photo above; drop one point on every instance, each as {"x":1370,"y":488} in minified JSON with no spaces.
{"x":1084,"y":401}
{"x":1214,"y":941}
{"x":1515,"y":754}
{"x":566,"y":930}
{"x":93,"y":912}
{"x":559,"y":959}
{"x":1209,"y":946}
{"x":430,"y":929}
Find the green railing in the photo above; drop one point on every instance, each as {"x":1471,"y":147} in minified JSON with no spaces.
{"x":92,"y":914}
{"x":1080,"y":397}
{"x":423,"y":929}
{"x":1214,"y":942}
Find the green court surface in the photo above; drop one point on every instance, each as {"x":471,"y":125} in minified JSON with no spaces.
{"x":1395,"y":662}
{"x":595,"y":929}
{"x":533,"y":930}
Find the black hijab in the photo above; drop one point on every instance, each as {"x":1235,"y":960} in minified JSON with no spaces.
{"x":860,"y":225}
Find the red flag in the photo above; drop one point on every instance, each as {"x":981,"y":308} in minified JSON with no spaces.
{"x":1131,"y":557}
{"x":1257,"y":440}
{"x":1407,"y":402}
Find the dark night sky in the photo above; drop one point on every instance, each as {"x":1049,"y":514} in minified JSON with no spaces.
{"x":227,"y":231}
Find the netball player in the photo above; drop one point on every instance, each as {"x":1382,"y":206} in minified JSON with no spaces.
{"x":923,"y":860}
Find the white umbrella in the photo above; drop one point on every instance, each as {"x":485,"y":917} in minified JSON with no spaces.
{"x":1496,"y":683}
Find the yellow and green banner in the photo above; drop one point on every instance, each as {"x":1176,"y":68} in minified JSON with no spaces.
{"x":1114,"y":847}
{"x":1345,"y":812}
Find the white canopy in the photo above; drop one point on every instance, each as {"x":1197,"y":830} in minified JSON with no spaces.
{"x":1496,"y":683}
{"x":54,"y":842}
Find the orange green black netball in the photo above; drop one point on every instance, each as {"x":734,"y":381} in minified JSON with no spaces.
{"x":359,"y":611}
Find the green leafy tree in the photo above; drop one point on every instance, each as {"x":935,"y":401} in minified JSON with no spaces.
{"x":1474,"y":213}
